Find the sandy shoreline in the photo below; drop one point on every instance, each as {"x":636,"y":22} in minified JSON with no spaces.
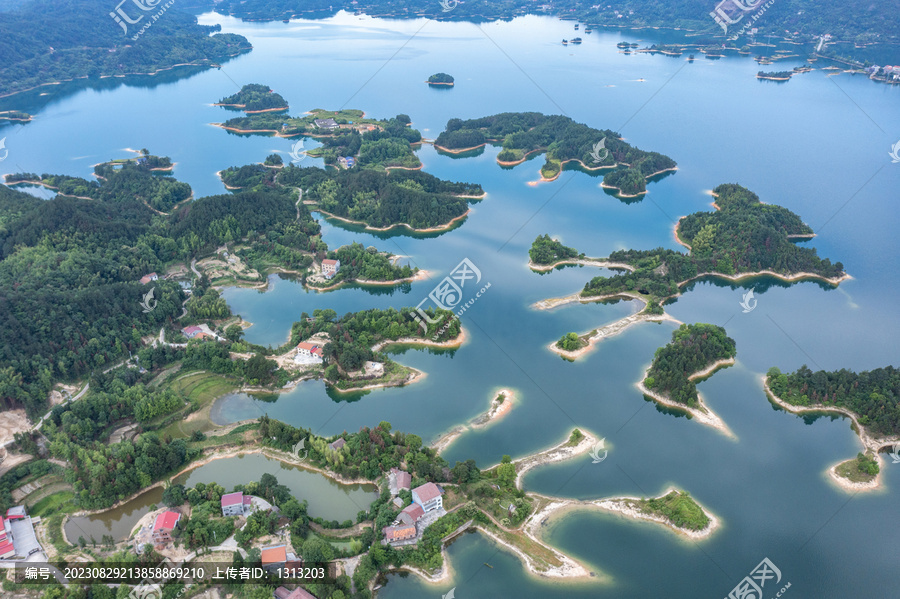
{"x":495,"y":411}
{"x":704,"y":414}
{"x":453,"y":343}
{"x":443,"y":227}
{"x":558,"y":453}
{"x":417,"y":376}
{"x":870,"y":443}
{"x":583,"y":262}
{"x":623,"y":506}
{"x":420,"y":275}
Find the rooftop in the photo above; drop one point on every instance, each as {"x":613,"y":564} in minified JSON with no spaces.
{"x":274,"y":555}
{"x":427,"y":492}
{"x":166,"y":521}
{"x":236,"y":498}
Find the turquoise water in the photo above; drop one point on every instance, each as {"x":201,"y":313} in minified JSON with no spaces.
{"x":816,"y":145}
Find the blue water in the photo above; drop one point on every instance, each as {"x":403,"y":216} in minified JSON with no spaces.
{"x":817,"y":145}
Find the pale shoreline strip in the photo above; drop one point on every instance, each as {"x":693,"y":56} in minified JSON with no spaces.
{"x":599,"y":262}
{"x":704,"y":414}
{"x":494,"y":411}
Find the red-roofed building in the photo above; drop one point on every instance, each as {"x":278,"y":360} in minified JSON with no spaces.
{"x":411,"y":513}
{"x":273,"y":557}
{"x":233,"y":504}
{"x":164,"y":525}
{"x":7,"y":550}
{"x":191,"y":332}
{"x":309,"y":350}
{"x":298,"y":593}
{"x":401,"y":532}
{"x":402,"y":480}
{"x":428,"y":496}
{"x":148,"y":278}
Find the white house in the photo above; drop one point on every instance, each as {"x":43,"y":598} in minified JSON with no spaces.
{"x":330,"y":267}
{"x":308,"y":353}
{"x":428,"y":496}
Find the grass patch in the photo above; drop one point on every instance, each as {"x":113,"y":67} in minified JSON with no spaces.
{"x":678,"y":508}
{"x":862,"y":469}
{"x":56,"y":502}
{"x":200,"y":390}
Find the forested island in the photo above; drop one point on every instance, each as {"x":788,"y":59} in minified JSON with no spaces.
{"x":546,"y":251}
{"x":563,"y":140}
{"x":775,"y":75}
{"x":742,"y":238}
{"x":254,"y":98}
{"x":441,"y":79}
{"x":871,"y":399}
{"x":79,"y":40}
{"x":695,"y":348}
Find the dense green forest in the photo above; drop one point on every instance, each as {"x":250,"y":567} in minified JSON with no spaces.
{"x":78,"y":38}
{"x":874,"y":395}
{"x":693,"y":348}
{"x":253,"y":97}
{"x":774,"y":74}
{"x":547,"y":251}
{"x":743,"y":235}
{"x":563,"y":139}
{"x":70,"y":296}
{"x":382,"y":199}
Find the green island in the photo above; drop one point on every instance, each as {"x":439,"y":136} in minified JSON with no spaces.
{"x":93,"y":253}
{"x":571,"y":342}
{"x":870,"y":399}
{"x":695,"y":352}
{"x":743,"y":238}
{"x":15,"y":115}
{"x":79,"y":40}
{"x":254,"y":98}
{"x":441,"y":79}
{"x":546,"y":251}
{"x":775,"y":75}
{"x":139,"y":178}
{"x":562,"y":140}
{"x":378,"y":199}
{"x":154,"y":405}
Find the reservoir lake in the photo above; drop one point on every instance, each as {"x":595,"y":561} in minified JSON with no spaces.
{"x":817,"y":145}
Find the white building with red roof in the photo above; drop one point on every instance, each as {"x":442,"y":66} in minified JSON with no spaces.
{"x":330,"y":267}
{"x":309,"y":353}
{"x":428,"y":496}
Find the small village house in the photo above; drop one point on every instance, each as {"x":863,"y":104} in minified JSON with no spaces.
{"x":164,"y":525}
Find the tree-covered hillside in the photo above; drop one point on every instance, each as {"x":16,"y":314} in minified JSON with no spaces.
{"x":874,"y":395}
{"x":45,"y":41}
{"x":693,"y":348}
